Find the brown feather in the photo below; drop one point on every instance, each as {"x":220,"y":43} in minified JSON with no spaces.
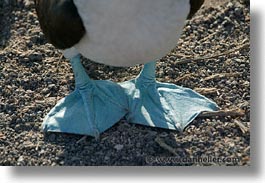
{"x":60,"y":22}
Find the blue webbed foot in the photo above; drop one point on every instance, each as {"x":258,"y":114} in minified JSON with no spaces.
{"x":96,"y":105}
{"x":162,"y":105}
{"x":92,"y":108}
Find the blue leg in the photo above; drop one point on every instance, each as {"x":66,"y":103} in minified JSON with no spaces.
{"x":162,"y":105}
{"x":92,"y":108}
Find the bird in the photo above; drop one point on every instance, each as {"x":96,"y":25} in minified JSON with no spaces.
{"x":119,"y":33}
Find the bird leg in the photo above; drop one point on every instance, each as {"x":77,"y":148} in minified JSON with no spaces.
{"x":92,"y":108}
{"x":95,"y":105}
{"x":162,"y":105}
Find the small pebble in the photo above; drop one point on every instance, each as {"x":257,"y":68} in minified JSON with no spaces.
{"x":33,"y":77}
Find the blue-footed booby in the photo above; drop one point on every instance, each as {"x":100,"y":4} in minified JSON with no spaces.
{"x":119,"y":33}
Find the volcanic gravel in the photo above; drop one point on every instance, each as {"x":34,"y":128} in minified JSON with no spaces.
{"x":34,"y":76}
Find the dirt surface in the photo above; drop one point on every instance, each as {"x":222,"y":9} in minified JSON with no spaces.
{"x":34,"y":76}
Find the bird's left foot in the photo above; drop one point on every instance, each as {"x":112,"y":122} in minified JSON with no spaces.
{"x":162,"y":105}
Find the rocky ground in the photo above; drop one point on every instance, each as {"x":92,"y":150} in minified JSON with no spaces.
{"x":215,"y":60}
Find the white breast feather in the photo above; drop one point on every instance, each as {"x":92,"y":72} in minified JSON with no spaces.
{"x":130,"y":32}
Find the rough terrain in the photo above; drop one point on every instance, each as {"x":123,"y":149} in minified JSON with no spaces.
{"x":34,"y":76}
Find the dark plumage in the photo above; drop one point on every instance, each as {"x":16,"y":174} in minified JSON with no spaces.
{"x":60,"y":22}
{"x":195,"y":6}
{"x":62,"y":25}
